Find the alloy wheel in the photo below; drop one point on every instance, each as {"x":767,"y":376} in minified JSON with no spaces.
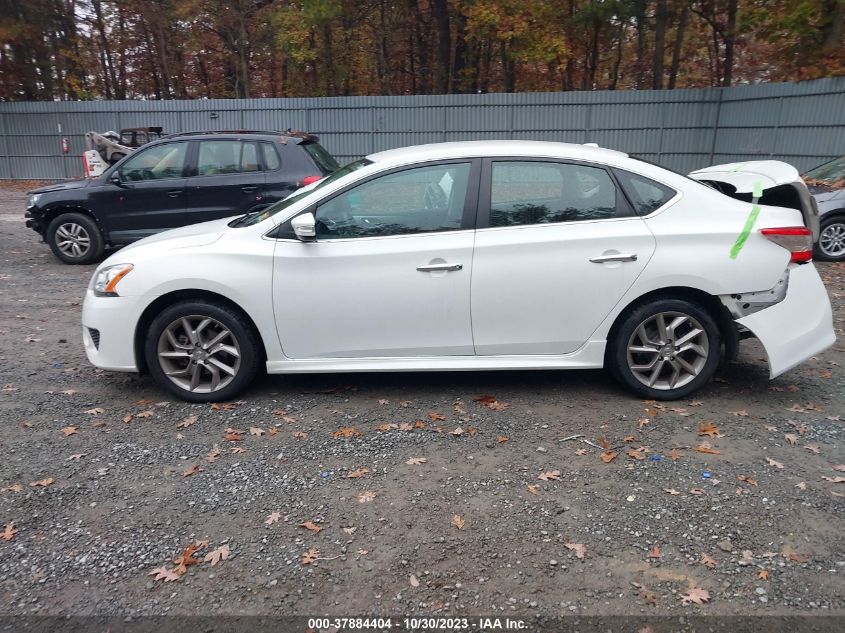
{"x":72,"y":239}
{"x":199,"y":354}
{"x":668,"y":350}
{"x":832,"y":240}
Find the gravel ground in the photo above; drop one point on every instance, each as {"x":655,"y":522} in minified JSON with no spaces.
{"x":103,"y":484}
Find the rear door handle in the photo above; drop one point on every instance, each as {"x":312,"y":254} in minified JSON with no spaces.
{"x":175,"y":193}
{"x":431,"y":268}
{"x":601,"y":259}
{"x":248,"y":189}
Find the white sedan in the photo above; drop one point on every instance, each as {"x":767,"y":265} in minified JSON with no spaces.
{"x":473,"y":256}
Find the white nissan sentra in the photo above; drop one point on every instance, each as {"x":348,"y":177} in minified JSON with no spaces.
{"x":476,"y":256}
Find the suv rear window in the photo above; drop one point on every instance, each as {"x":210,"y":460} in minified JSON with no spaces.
{"x":645,"y":194}
{"x":324,"y":161}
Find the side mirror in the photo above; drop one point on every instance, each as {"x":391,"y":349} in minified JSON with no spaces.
{"x":115,"y":178}
{"x":305,"y":227}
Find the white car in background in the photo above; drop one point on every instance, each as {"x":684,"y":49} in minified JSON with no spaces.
{"x":474,"y":256}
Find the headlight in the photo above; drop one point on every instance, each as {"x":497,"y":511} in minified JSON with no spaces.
{"x":106,"y":280}
{"x":33,"y":200}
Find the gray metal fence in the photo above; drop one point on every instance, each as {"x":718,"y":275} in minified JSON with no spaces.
{"x":801,"y":123}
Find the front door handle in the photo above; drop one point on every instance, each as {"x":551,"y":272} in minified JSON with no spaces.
{"x":601,"y":259}
{"x":248,"y":189}
{"x":444,"y":267}
{"x":175,"y":193}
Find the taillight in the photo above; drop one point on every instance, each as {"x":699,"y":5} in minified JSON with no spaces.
{"x":798,"y":240}
{"x":310,"y":179}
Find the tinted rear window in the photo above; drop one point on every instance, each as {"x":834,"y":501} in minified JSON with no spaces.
{"x":645,"y":194}
{"x":324,"y":161}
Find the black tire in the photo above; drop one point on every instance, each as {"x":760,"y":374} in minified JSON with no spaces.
{"x":85,"y":247}
{"x":243,"y":338}
{"x":832,"y":233}
{"x":705,"y":364}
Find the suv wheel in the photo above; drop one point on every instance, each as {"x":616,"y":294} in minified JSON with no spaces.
{"x":202,"y":351}
{"x":831,"y":245}
{"x":665,"y":349}
{"x":75,"y":238}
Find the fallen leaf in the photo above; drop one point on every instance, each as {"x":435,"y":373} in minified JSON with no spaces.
{"x":629,"y":438}
{"x":763,"y":575}
{"x":550,"y":475}
{"x":791,"y":438}
{"x":76,"y":456}
{"x":162,"y":573}
{"x":532,"y":488}
{"x":608,"y":456}
{"x":773,"y":462}
{"x":458,"y":521}
{"x":414,"y":582}
{"x":233,"y":437}
{"x":216,"y":555}
{"x":311,"y":527}
{"x":9,"y":531}
{"x":69,"y":392}
{"x":355,"y":474}
{"x":637,"y":454}
{"x":671,"y":491}
{"x":579,"y":548}
{"x":472,"y":431}
{"x":364,"y":497}
{"x":12,"y":488}
{"x":675,"y":454}
{"x":258,"y":432}
{"x":742,"y":413}
{"x":96,"y":411}
{"x":384,"y":428}
{"x":272,"y":518}
{"x":708,"y":561}
{"x":310,"y":556}
{"x":696,"y":403}
{"x":813,"y":448}
{"x":128,"y":418}
{"x":696,"y":595}
{"x":801,"y":485}
{"x":347,"y":431}
{"x":434,"y":416}
{"x":300,"y":435}
{"x":213,"y":454}
{"x":710,"y":429}
{"x":272,"y":431}
{"x":406,"y":426}
{"x":840,"y":468}
{"x":580,"y":451}
{"x":193,"y":470}
{"x":349,"y":530}
{"x":705,"y":447}
{"x":187,"y":557}
{"x":188,"y":421}
{"x":642,"y":422}
{"x":70,"y":430}
{"x":696,"y":491}
{"x":416,"y":461}
{"x":457,"y":432}
{"x":834,"y":480}
{"x":654,"y":552}
{"x":748,"y":480}
{"x":144,"y":414}
{"x":238,"y":450}
{"x":383,"y":401}
{"x":43,"y":483}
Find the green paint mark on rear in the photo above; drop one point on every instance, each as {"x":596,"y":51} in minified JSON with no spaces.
{"x":756,"y":194}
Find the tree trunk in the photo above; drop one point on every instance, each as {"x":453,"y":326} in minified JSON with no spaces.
{"x":440,"y":13}
{"x":642,"y":26}
{"x":659,"y":45}
{"x":730,"y":41}
{"x":678,"y":46}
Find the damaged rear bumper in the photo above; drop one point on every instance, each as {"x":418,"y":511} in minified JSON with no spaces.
{"x":797,"y":327}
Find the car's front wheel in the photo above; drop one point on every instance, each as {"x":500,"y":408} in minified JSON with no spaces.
{"x":75,"y":238}
{"x":202,"y":351}
{"x":665,"y":349}
{"x":831,"y":245}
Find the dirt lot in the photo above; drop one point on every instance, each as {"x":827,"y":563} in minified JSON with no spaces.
{"x":105,"y":478}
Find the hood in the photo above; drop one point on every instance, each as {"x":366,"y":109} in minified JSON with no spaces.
{"x":779,"y":182}
{"x":185,"y":237}
{"x":61,"y":186}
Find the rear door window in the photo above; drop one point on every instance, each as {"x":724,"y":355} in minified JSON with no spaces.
{"x":645,"y":194}
{"x":227,"y":157}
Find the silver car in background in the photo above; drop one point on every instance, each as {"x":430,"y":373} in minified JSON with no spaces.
{"x":827,"y":184}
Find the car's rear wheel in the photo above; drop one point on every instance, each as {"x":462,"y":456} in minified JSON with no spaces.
{"x":75,"y":238}
{"x":202,"y":351}
{"x":831,"y":244}
{"x":665,"y":349}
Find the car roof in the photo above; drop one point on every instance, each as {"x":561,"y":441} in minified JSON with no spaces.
{"x":472,"y":149}
{"x":287,"y":136}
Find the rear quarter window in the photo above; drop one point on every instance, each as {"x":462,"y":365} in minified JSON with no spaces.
{"x":645,"y":194}
{"x":324,"y":161}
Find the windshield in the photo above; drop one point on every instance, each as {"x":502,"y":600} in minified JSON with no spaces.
{"x":830,"y":175}
{"x":281,"y":205}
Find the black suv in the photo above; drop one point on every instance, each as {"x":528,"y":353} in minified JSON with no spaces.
{"x":178,"y":180}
